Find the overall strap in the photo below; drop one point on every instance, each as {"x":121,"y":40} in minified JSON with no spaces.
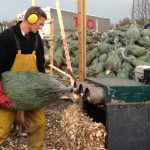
{"x":16,"y":39}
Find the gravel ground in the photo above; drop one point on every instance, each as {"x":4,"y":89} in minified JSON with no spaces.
{"x":53,"y":130}
{"x":68,"y":128}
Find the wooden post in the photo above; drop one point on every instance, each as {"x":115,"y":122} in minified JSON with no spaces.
{"x":51,"y":54}
{"x":82,"y":38}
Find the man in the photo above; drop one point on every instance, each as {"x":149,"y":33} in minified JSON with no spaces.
{"x":19,"y":52}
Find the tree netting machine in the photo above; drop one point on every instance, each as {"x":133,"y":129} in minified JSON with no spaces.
{"x":123,"y":106}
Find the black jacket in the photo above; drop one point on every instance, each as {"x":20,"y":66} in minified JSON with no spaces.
{"x":8,"y":48}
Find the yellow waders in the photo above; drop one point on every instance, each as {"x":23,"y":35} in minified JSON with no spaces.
{"x":35,"y":120}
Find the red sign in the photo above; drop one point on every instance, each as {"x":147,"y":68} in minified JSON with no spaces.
{"x":90,"y":22}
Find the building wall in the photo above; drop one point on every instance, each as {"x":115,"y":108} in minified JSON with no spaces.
{"x":70,"y":21}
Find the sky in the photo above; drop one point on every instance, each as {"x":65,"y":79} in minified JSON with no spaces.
{"x":114,"y":9}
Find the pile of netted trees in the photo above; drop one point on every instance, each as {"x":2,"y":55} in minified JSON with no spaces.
{"x":112,"y":54}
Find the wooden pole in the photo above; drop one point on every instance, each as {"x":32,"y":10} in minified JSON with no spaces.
{"x":82,"y":38}
{"x":133,"y":12}
{"x":33,"y":2}
{"x":51,"y":54}
{"x":63,"y":35}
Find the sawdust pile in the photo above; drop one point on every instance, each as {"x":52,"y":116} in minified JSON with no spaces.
{"x":80,"y":133}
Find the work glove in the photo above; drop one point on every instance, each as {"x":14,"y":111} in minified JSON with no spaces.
{"x":4,"y":100}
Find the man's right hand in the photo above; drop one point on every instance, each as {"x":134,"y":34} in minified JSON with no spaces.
{"x":4,"y":100}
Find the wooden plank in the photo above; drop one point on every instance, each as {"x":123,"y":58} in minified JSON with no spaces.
{"x":63,"y":35}
{"x":64,"y":73}
{"x":82,"y":38}
{"x":72,"y":75}
{"x":51,"y":44}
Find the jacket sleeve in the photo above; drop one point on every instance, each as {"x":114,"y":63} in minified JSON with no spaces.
{"x":4,"y":46}
{"x":40,"y":56}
